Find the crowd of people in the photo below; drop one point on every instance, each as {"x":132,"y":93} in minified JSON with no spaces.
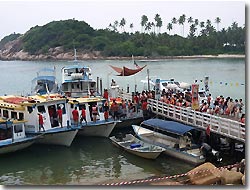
{"x":221,"y":106}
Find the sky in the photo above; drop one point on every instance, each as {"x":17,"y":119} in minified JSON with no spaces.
{"x":19,"y":16}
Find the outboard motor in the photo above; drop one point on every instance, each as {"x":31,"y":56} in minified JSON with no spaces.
{"x":210,"y":154}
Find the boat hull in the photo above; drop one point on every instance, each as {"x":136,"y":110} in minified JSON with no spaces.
{"x":192,"y":156}
{"x":98,"y":129}
{"x":145,"y":150}
{"x":13,"y":147}
{"x":64,"y":138}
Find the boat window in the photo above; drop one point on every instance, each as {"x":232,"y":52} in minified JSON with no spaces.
{"x":62,"y":107}
{"x":18,"y":128}
{"x":5,"y":113}
{"x":72,"y":86}
{"x":21,"y":116}
{"x":30,"y":109}
{"x":41,"y":109}
{"x":77,"y":86}
{"x":14,"y":115}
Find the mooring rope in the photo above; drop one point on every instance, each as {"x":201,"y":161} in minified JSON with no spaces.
{"x":171,"y":177}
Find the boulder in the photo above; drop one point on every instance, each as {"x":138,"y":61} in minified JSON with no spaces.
{"x":231,"y":177}
{"x":204,"y":174}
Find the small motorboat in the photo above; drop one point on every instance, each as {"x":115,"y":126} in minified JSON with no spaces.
{"x":137,"y":147}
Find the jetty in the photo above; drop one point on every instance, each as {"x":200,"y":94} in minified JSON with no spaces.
{"x":225,"y":127}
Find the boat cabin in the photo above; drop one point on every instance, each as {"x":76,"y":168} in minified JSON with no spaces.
{"x":87,"y":104}
{"x":178,"y":135}
{"x":77,"y":81}
{"x":11,"y":129}
{"x":19,"y":108}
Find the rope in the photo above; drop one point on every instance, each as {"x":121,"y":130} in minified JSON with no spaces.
{"x":170,"y":177}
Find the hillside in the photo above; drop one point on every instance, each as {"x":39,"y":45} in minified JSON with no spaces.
{"x":57,"y":39}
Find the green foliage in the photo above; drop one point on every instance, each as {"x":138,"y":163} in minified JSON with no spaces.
{"x":72,"y":33}
{"x":8,"y":38}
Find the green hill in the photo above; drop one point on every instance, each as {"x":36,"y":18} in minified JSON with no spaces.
{"x":70,"y":34}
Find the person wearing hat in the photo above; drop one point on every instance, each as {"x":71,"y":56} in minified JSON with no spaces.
{"x":40,"y":121}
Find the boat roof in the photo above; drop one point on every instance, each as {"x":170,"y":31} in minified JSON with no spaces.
{"x":14,"y":121}
{"x":85,"y":100}
{"x":169,"y":126}
{"x":50,"y":78}
{"x":76,"y":67}
{"x":17,"y":102}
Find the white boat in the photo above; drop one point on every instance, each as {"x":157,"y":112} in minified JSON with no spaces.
{"x":98,"y":128}
{"x":173,"y":136}
{"x":137,"y":147}
{"x":167,"y":84}
{"x":13,"y":136}
{"x":19,"y":107}
{"x":45,"y":82}
{"x":77,"y":81}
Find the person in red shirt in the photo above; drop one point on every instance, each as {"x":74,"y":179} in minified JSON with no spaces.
{"x":106,"y":94}
{"x":144,"y":108}
{"x":59,"y":115}
{"x":83,"y":116}
{"x":75,"y":116}
{"x":40,"y":121}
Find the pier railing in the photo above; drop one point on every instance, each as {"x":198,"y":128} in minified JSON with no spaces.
{"x":223,"y":126}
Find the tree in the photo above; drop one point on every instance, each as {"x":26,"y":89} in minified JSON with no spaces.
{"x":131,"y":26}
{"x":148,"y":27}
{"x":144,"y":20}
{"x":217,"y":21}
{"x":181,"y":21}
{"x":190,"y":20}
{"x":158,"y":22}
{"x":169,"y":27}
{"x":122,"y":24}
{"x":192,"y":30}
{"x":174,"y":21}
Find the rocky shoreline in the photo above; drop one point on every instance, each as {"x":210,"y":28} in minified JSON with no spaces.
{"x":13,"y":51}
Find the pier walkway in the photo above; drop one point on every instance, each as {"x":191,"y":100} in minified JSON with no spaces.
{"x":219,"y":125}
{"x":223,"y":126}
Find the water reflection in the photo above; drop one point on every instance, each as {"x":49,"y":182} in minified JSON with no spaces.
{"x":88,"y":161}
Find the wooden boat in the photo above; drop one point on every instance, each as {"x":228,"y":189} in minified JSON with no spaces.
{"x":137,"y":147}
{"x":173,"y":136}
{"x":27,"y":108}
{"x":98,"y":128}
{"x":13,"y":136}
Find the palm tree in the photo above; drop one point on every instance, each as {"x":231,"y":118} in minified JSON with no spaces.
{"x":174,"y":21}
{"x":148,"y":27}
{"x":158,"y":22}
{"x":131,"y":26}
{"x":196,"y":22}
{"x":217,"y":21}
{"x":115,"y":25}
{"x":169,"y":27}
{"x":190,"y":20}
{"x":181,"y":21}
{"x":144,"y":20}
{"x":192,"y":30}
{"x":122,"y":24}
